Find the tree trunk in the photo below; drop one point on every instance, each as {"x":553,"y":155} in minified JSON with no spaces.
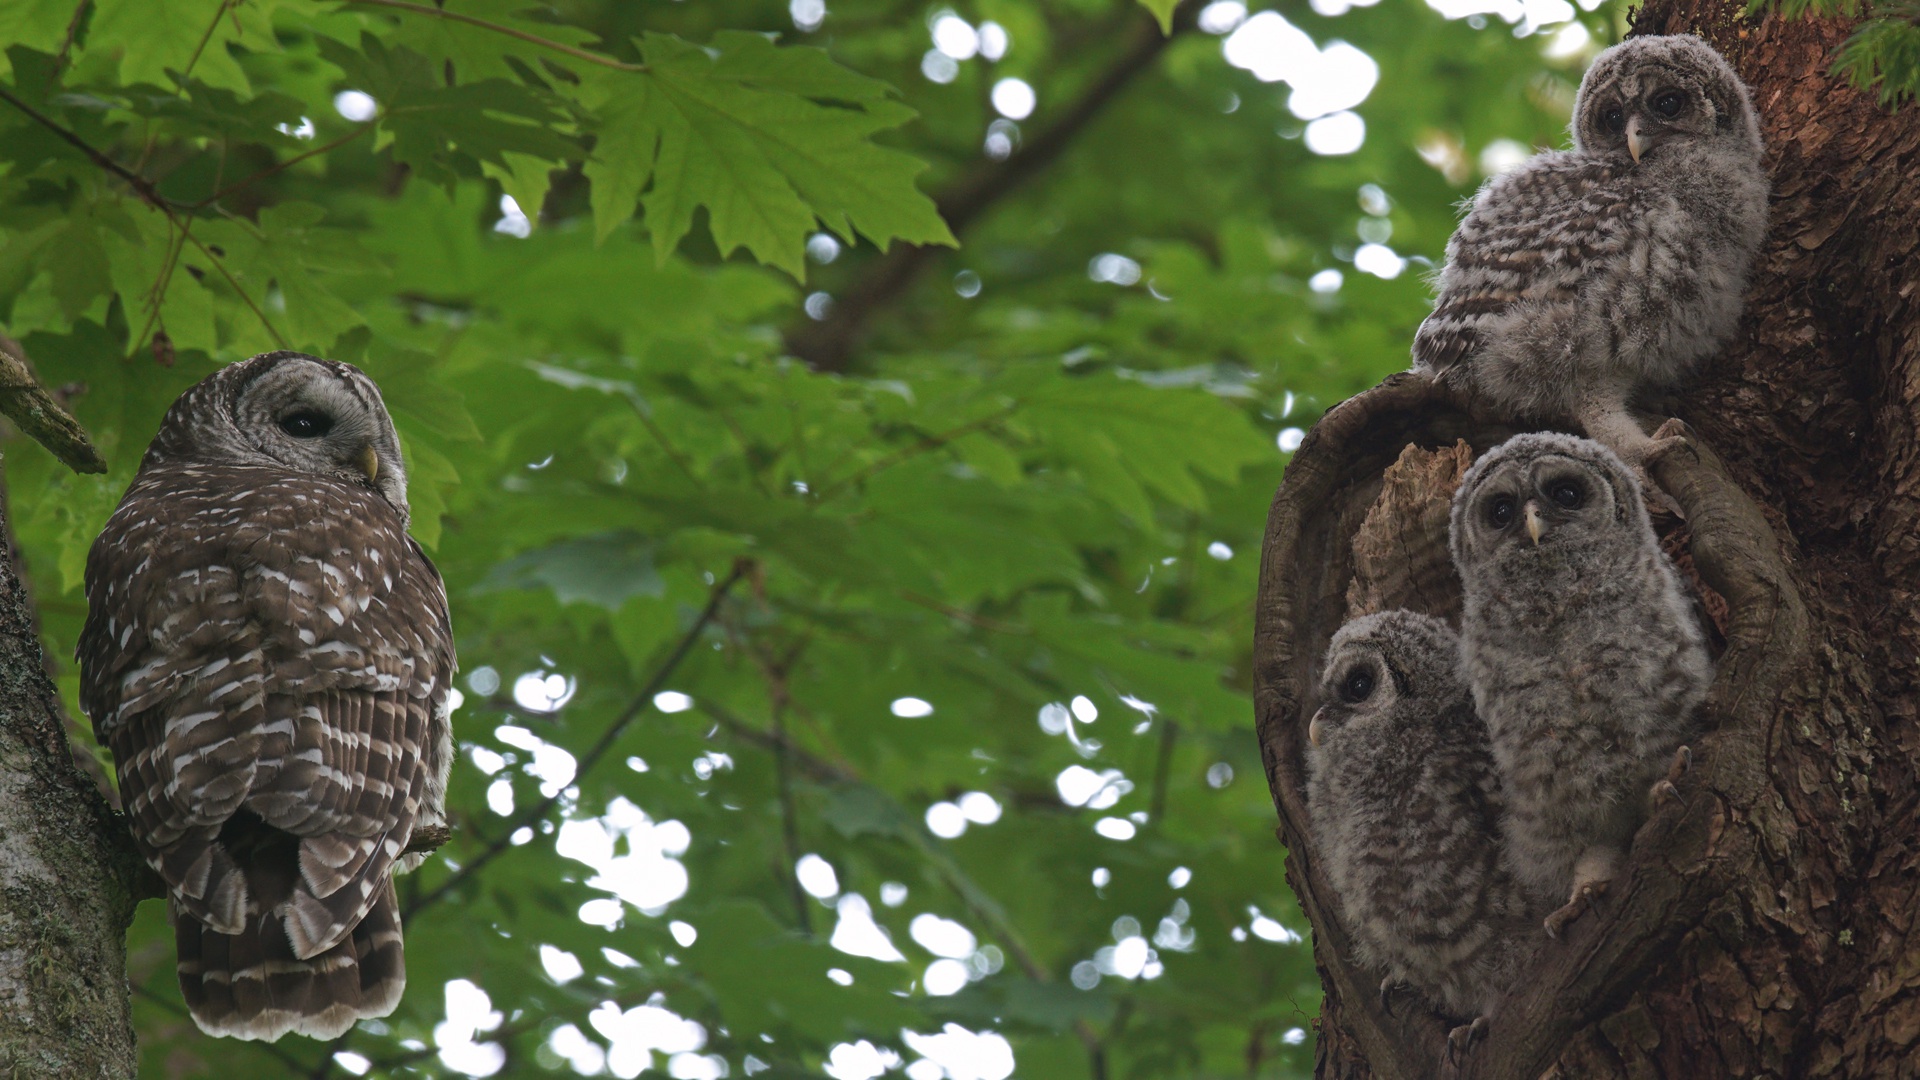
{"x":1766,"y":929}
{"x":65,"y":877}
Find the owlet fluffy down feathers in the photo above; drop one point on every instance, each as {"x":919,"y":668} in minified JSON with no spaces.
{"x":1585,"y":657}
{"x":267,"y":654}
{"x":1587,"y":277}
{"x":1406,"y":809}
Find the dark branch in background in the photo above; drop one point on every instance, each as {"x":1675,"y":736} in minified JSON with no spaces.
{"x":141,"y":186}
{"x":599,"y":749}
{"x":789,"y":819}
{"x":828,"y":345}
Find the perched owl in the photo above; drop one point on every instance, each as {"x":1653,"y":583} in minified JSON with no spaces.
{"x":268,"y":656}
{"x":1586,"y":277}
{"x":1406,"y":811}
{"x":1586,"y":660}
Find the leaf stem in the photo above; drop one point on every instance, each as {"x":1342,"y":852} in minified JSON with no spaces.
{"x":531,"y":39}
{"x":283,"y":166}
{"x":248,"y":300}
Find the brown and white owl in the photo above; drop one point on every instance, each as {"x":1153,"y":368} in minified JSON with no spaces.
{"x":1409,"y":817}
{"x":1586,"y":659}
{"x":267,"y":654}
{"x":1588,"y":277}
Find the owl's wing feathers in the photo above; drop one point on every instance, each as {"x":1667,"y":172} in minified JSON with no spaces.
{"x":1533,"y":236}
{"x":274,"y":677}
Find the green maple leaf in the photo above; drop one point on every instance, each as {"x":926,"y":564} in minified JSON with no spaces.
{"x":769,"y":140}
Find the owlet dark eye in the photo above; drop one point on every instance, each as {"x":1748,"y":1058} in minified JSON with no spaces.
{"x":1614,"y":120}
{"x":306,"y":424}
{"x":1357,"y":686}
{"x":1566,"y":493}
{"x":1500,"y":511}
{"x":1669,"y":103}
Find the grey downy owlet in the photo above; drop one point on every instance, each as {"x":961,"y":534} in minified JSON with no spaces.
{"x":1585,"y":657}
{"x":1406,"y":812}
{"x":1586,"y":277}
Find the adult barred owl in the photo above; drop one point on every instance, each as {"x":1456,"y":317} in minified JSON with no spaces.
{"x":1585,"y":657}
{"x":268,"y":656}
{"x":1587,"y":277}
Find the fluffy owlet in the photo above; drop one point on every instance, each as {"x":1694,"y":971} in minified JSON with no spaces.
{"x":1586,"y":277}
{"x":268,"y":656}
{"x":1407,"y":811}
{"x":1583,"y":651}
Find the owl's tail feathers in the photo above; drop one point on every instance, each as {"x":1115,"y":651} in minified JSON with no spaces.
{"x":250,"y":985}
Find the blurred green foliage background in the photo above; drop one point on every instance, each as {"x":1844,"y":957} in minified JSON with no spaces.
{"x":956,"y":775}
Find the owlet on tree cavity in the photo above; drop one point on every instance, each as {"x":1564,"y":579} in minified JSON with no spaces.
{"x":1585,"y":657}
{"x":1406,"y":810}
{"x":267,"y":654}
{"x":1587,"y":277}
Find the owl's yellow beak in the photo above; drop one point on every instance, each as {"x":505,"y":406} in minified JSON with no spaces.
{"x":1313,"y":730}
{"x":369,"y":463}
{"x":1535,"y":523}
{"x":1637,"y":143}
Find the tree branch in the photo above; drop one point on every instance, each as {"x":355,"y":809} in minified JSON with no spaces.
{"x":828,"y":345}
{"x":39,"y":416}
{"x":598,"y":750}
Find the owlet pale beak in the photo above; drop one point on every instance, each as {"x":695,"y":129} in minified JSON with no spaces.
{"x":1313,"y":729}
{"x":1637,"y":143}
{"x":1535,"y":523}
{"x":369,"y":463}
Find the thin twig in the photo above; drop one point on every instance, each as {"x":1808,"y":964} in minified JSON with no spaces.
{"x":255,"y":308}
{"x":283,"y":166}
{"x":176,"y":242}
{"x":929,"y":443}
{"x":140,"y":184}
{"x":961,"y":614}
{"x":640,"y":703}
{"x":819,"y":769}
{"x":1157,"y":807}
{"x":789,"y":817}
{"x":532,"y":39}
{"x":221,"y":13}
{"x":66,"y":42}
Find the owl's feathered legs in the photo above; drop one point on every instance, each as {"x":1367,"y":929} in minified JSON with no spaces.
{"x":1592,"y":872}
{"x":1608,"y":421}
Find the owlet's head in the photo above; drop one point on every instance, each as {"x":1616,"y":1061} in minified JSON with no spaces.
{"x":1545,"y":498}
{"x":1651,"y":95}
{"x":293,"y":411}
{"x":1384,"y":675}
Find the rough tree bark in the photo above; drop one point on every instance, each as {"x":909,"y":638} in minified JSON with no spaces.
{"x":1768,"y":928}
{"x":68,"y":880}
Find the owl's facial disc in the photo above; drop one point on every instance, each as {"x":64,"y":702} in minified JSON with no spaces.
{"x":326,"y":419}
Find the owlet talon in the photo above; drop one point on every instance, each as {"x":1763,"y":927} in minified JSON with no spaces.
{"x":1461,"y":1039}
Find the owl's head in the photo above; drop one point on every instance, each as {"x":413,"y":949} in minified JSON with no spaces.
{"x":1382,"y":675}
{"x":1549,"y":500}
{"x":293,"y":411}
{"x":1650,"y":95}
